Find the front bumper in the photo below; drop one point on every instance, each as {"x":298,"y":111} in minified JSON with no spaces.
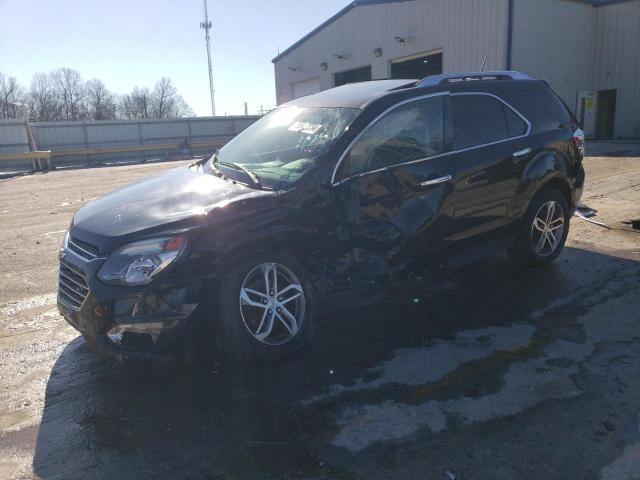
{"x":132,"y":322}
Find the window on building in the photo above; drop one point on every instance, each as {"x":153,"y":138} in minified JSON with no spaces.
{"x":417,"y":67}
{"x":482,"y":119}
{"x":362,"y":74}
{"x":410,"y":132}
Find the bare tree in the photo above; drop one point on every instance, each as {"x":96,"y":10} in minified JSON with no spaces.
{"x":62,"y":95}
{"x":101,"y":103}
{"x":163,"y":98}
{"x":42,"y":100}
{"x":69,"y":90}
{"x":137,"y":104}
{"x":181,"y":108}
{"x":11,"y":96}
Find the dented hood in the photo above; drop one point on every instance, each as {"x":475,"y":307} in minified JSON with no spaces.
{"x":182,"y":196}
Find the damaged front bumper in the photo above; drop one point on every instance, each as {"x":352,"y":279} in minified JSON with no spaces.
{"x":128,"y":322}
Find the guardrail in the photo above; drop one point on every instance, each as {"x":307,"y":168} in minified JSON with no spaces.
{"x":48,"y":155}
{"x":91,"y":143}
{"x":39,"y":154}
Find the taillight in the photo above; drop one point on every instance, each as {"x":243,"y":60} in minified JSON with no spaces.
{"x":578,"y":140}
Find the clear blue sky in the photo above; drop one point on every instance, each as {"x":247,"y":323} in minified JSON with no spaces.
{"x":135,"y":42}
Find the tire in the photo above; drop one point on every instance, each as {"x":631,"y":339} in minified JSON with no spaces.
{"x":530,"y":248}
{"x":254,"y":333}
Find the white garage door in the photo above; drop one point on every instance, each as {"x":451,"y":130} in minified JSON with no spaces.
{"x":306,"y":87}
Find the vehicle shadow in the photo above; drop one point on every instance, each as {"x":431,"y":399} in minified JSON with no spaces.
{"x":238,"y":421}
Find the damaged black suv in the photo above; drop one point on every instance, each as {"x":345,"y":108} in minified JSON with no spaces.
{"x":359,"y":185}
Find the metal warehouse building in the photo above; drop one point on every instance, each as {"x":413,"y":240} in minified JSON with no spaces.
{"x":589,"y":50}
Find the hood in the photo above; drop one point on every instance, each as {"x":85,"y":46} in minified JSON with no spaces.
{"x":179,"y":197}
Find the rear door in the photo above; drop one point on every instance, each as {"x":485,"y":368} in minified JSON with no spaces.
{"x":393,"y":190}
{"x":488,"y":149}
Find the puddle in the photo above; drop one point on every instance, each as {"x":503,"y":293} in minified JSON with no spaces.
{"x":625,"y":466}
{"x":525,"y":384}
{"x":417,"y":366}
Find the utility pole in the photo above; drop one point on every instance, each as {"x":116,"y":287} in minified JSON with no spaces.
{"x":207,"y":26}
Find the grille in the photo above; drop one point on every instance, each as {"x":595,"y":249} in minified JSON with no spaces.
{"x":83,"y":249}
{"x":72,"y":288}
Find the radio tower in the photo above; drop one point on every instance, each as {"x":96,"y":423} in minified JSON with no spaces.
{"x":207,"y":26}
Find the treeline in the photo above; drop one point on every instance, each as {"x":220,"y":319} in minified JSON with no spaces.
{"x":63,"y":95}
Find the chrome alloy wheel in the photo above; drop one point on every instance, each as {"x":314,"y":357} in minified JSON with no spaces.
{"x":547,"y":228}
{"x":272,"y":303}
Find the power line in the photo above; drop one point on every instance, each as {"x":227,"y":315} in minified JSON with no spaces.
{"x":207,"y":26}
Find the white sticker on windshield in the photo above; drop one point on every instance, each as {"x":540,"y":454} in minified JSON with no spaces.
{"x":305,"y":127}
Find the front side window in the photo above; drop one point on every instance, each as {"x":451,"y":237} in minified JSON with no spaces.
{"x":410,"y":132}
{"x":284,"y":144}
{"x":482,"y":119}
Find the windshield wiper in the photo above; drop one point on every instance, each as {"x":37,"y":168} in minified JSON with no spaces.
{"x":252,"y":176}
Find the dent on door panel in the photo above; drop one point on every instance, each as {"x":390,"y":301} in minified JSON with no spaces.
{"x":384,"y":216}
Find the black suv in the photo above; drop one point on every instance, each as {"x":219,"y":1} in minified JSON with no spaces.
{"x":360,"y":185}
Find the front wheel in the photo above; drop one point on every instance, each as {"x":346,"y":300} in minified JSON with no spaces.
{"x":543,"y":231}
{"x":265,"y":308}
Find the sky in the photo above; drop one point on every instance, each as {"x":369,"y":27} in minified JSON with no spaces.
{"x":136,"y":42}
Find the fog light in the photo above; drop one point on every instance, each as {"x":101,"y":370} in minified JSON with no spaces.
{"x":98,"y":311}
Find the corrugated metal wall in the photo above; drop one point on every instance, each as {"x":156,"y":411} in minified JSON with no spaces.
{"x":574,"y":45}
{"x":617,"y":63}
{"x":466,"y":30}
{"x":578,"y":47}
{"x":13,"y":136}
{"x":553,"y":40}
{"x":59,"y":136}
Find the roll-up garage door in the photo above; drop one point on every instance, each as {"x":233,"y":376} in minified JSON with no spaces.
{"x":306,"y":87}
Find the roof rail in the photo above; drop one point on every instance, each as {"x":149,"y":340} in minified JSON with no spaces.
{"x":471,"y":76}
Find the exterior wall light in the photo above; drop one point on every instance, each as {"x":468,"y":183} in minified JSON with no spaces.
{"x":377,"y":52}
{"x":293,"y":69}
{"x":324,"y":66}
{"x":400,"y":39}
{"x":340,"y":56}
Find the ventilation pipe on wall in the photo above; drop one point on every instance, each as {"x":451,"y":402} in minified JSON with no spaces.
{"x":509,"y":34}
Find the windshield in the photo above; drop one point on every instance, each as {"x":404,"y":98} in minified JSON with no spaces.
{"x":284,"y":144}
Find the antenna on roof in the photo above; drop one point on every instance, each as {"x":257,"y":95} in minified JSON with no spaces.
{"x":483,"y":63}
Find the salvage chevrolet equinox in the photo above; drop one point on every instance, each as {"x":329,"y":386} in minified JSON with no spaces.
{"x":365,"y":184}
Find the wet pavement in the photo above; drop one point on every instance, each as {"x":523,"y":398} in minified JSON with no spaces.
{"x":493,"y":372}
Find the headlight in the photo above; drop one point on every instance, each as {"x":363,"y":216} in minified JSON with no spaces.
{"x":138,"y":263}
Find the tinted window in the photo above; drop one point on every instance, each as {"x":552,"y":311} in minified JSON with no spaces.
{"x":515,"y":124}
{"x":544,"y":99}
{"x":477,"y":120}
{"x":410,"y":132}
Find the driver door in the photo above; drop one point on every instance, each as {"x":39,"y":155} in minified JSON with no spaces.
{"x":393,"y":192}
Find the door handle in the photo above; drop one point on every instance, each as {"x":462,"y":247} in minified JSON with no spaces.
{"x":521,"y":153}
{"x":435,"y":181}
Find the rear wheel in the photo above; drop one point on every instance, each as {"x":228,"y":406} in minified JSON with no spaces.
{"x":265,"y":309}
{"x":543,"y":231}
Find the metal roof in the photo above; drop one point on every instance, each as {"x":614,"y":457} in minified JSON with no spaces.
{"x":357,"y":3}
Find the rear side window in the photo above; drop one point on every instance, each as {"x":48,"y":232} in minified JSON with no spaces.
{"x":412,"y":131}
{"x":482,"y":119}
{"x":545,"y":100}
{"x":515,"y":124}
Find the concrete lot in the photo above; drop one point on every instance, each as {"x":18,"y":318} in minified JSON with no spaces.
{"x":494,"y":373}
